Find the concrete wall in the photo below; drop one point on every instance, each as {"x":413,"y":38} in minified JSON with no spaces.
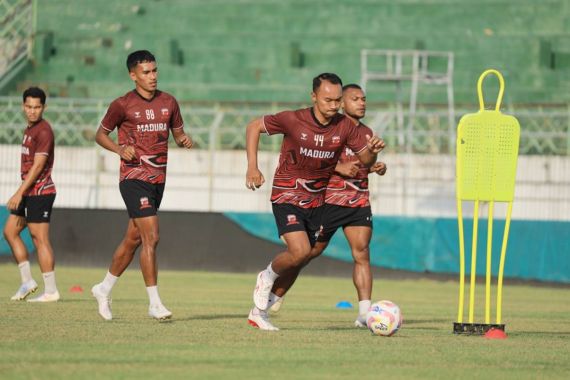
{"x":202,"y":180}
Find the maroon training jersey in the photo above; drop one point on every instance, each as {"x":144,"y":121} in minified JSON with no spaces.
{"x":350,"y":192}
{"x":309,"y":154}
{"x":38,"y":139}
{"x":145,"y":125}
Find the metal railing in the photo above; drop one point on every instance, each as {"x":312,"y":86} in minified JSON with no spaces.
{"x":544,"y":131}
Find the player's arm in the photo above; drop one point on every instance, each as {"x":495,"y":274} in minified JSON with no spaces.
{"x":253,"y":178}
{"x":102,"y":138}
{"x":347,"y":169}
{"x":40,"y":160}
{"x":373,"y":146}
{"x":181,"y":138}
{"x":378,"y":168}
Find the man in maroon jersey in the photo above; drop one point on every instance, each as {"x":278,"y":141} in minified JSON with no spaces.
{"x":144,"y":118}
{"x":313,"y":141}
{"x":32,"y":203}
{"x":347,"y":205}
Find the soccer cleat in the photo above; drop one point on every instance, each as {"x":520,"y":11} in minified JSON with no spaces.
{"x":261,"y":291}
{"x":274,"y":309}
{"x":260,"y":320}
{"x":104,"y":302}
{"x":46,"y":297}
{"x":25,"y":290}
{"x":159,"y":312}
{"x":360,"y":322}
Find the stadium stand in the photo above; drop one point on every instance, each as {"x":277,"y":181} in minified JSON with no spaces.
{"x":239,"y":51}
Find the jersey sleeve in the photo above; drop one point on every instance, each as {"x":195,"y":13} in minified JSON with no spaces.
{"x":176,"y":121}
{"x":278,"y":123}
{"x":45,"y":142}
{"x":357,"y":138}
{"x":114,"y":116}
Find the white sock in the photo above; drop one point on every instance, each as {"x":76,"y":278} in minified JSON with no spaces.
{"x":49,"y":282}
{"x":363,"y":307}
{"x":108,"y":282}
{"x":271,"y":275}
{"x":257,"y":311}
{"x":153,"y":296}
{"x":25,"y":271}
{"x":272,"y":299}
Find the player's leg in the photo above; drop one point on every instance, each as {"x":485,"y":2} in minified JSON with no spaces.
{"x":122,"y":257}
{"x":125,"y":251}
{"x":359,"y":240}
{"x":38,"y":220}
{"x":40,"y":237}
{"x":15,"y":224}
{"x":298,"y":248}
{"x":288,"y":278}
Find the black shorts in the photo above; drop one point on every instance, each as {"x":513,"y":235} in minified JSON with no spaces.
{"x":339,"y":216}
{"x":35,"y":208}
{"x":290,"y":218}
{"x":141,"y":198}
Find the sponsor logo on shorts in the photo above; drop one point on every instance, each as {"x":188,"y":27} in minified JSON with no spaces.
{"x":144,"y":203}
{"x":46,"y":214}
{"x":292,"y":219}
{"x":319,"y":232}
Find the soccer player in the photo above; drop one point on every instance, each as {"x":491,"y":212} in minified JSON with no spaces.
{"x":144,"y":118}
{"x":313,"y":141}
{"x":32,"y":203}
{"x":347,"y":205}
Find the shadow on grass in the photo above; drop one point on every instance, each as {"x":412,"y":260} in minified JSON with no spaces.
{"x":211,"y":317}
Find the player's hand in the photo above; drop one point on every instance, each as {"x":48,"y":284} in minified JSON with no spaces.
{"x":375,"y":144}
{"x":14,"y":202}
{"x":254,"y":179}
{"x":127,"y":152}
{"x":378,"y":168}
{"x":185,"y":142}
{"x":347,"y":169}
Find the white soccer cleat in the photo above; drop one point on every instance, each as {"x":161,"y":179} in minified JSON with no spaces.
{"x":25,"y":290}
{"x":104,"y":302}
{"x":260,"y":320}
{"x":274,"y":309}
{"x":159,"y":312}
{"x":261,"y":291}
{"x":46,"y":297}
{"x":360,"y":322}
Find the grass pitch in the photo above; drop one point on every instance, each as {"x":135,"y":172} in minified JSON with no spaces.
{"x":209,"y":336}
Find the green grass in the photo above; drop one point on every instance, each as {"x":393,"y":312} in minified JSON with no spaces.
{"x":209,"y":336}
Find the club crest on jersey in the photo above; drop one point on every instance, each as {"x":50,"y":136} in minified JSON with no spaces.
{"x":303,"y":136}
{"x":292,"y":219}
{"x":336,"y":140}
{"x":164,"y":111}
{"x":144,"y":203}
{"x":137,"y":114}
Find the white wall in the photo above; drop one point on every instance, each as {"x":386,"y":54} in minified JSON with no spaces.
{"x":200,"y":180}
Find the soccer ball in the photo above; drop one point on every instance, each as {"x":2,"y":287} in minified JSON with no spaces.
{"x":384,"y":318}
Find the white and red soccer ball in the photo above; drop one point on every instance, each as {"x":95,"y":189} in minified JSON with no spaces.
{"x":384,"y":318}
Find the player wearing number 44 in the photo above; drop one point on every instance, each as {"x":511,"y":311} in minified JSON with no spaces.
{"x":313,"y":139}
{"x":144,"y":118}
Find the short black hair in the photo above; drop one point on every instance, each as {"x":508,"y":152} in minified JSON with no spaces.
{"x":34,"y":92}
{"x":333,"y":78}
{"x":137,"y":57}
{"x":354,"y":86}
